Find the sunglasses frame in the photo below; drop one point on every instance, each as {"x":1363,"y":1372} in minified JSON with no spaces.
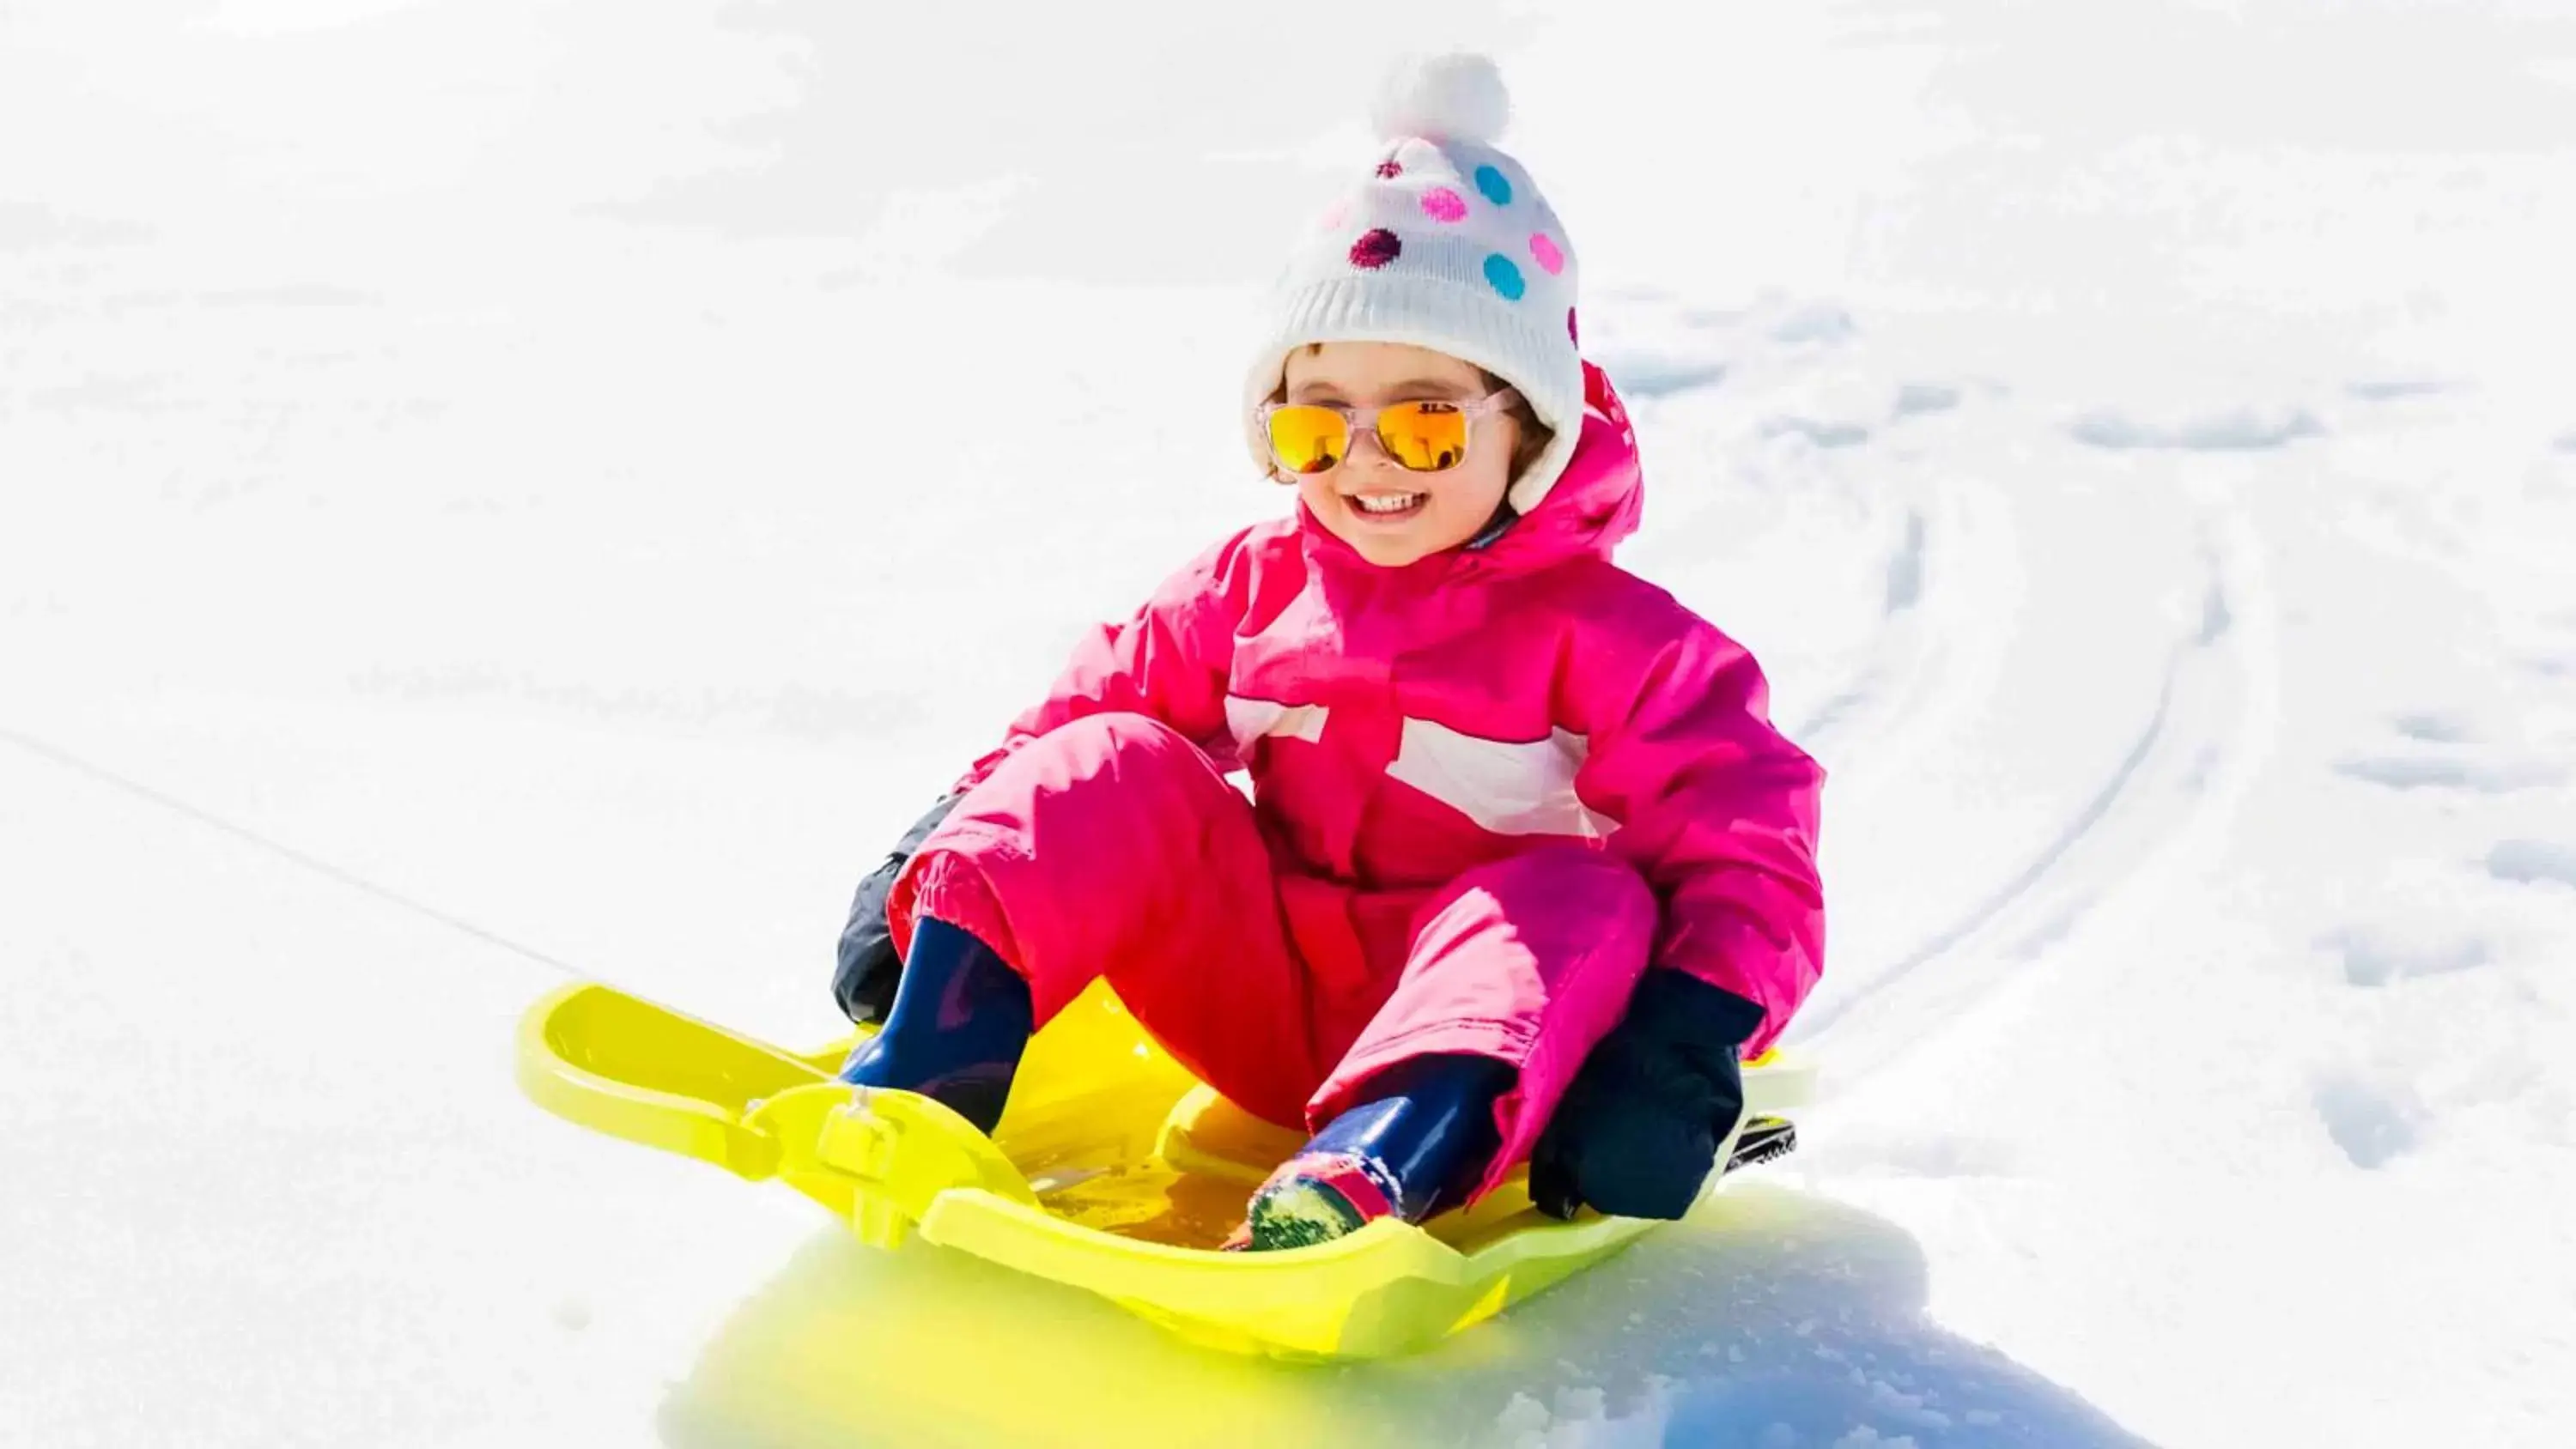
{"x":1359,"y":420}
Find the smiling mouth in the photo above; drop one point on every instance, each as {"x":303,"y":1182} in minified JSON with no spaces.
{"x":1386,"y":507}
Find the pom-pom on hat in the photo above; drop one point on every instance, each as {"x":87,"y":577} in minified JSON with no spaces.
{"x":1442,"y":241}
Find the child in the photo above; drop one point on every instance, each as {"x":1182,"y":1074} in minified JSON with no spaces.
{"x":1528,"y":869}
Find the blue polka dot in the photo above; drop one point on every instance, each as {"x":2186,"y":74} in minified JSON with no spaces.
{"x":1505,"y":277}
{"x":1496,"y":186}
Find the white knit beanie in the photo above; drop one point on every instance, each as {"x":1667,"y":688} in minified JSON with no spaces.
{"x":1444,"y":244}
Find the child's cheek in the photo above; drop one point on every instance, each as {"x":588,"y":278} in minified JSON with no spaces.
{"x":1318,"y":497}
{"x":1478,"y":487}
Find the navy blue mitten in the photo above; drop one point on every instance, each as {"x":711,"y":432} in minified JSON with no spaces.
{"x":1638,"y":1131}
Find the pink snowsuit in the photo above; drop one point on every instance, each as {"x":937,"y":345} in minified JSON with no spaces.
{"x":1488,"y":789}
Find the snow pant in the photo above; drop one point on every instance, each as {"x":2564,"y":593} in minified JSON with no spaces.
{"x":1115,"y":847}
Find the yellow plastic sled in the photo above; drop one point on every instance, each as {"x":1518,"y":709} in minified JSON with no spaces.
{"x":1112,"y":1170}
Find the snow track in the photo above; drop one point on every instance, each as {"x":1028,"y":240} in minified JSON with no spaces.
{"x":2175,"y":782}
{"x":550,"y":515}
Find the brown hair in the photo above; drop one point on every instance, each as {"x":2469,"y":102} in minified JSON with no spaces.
{"x":1535,"y":435}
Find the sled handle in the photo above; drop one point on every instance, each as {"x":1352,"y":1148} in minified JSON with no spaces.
{"x":594,"y":1055}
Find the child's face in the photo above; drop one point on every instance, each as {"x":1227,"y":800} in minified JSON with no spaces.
{"x":1392,"y":516}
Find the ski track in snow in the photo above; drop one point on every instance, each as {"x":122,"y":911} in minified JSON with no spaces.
{"x":394,"y":627}
{"x":2201,"y":727}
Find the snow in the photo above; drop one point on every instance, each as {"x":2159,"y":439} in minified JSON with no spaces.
{"x":497,"y":493}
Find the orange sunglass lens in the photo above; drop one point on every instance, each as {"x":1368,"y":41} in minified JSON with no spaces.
{"x":1424,"y":436}
{"x":1308,"y":439}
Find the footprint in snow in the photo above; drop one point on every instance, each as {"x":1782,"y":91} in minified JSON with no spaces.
{"x":1820,"y":322}
{"x":1644,"y":377}
{"x":1818,"y":433}
{"x":2434,"y":727}
{"x":2533,"y":862}
{"x":2236,"y":430}
{"x":1912,"y":400}
{"x":2394,"y":388}
{"x":1917,"y":399}
{"x":2550,"y":666}
{"x":2379,"y":953}
{"x":2372,"y":1122}
{"x":1905,"y":567}
{"x":2411,"y":772}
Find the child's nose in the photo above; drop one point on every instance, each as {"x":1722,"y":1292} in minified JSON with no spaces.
{"x":1364,"y":443}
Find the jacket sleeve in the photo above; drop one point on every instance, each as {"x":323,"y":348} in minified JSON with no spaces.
{"x":1719,"y":812}
{"x":1170,"y":662}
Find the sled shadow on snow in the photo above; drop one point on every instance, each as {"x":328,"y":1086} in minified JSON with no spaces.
{"x":1773,"y":1317}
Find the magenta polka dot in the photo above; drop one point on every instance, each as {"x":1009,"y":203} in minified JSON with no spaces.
{"x":1389,"y":169}
{"x":1573,"y":333}
{"x":1375,"y":249}
{"x":1545,"y":250}
{"x":1442,"y":204}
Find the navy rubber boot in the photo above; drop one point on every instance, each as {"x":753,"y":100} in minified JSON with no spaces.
{"x":1412,"y":1149}
{"x":961,"y":1019}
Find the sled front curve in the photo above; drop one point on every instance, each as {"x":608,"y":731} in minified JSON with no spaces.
{"x":1112,"y":1170}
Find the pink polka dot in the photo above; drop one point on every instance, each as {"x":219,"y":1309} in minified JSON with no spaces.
{"x":1334,"y":217}
{"x":1442,"y":204}
{"x":1545,"y":250}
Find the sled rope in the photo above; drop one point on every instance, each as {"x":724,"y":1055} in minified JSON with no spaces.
{"x":314,"y":863}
